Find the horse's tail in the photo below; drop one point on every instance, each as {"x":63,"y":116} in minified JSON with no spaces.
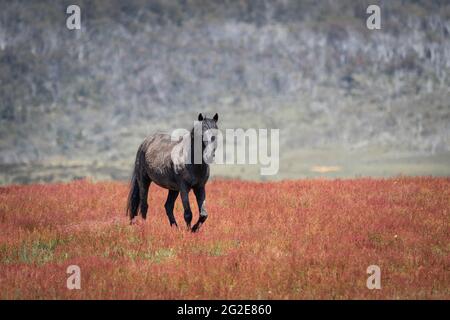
{"x":133,"y":195}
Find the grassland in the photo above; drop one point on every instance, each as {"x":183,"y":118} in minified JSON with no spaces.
{"x":274,"y":240}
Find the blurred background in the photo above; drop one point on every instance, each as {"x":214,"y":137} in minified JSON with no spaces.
{"x":348,"y":101}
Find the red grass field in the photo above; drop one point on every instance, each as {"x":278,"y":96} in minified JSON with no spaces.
{"x":282,"y":240}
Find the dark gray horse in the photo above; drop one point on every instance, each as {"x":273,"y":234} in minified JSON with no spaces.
{"x":175,"y":166}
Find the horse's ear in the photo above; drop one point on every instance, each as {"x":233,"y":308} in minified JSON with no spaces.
{"x":216,"y":117}
{"x":200,"y":117}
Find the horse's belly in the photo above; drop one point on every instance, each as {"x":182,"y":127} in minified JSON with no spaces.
{"x":163,"y":180}
{"x":164,"y":184}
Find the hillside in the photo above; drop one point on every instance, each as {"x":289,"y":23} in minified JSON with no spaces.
{"x":78,"y":103}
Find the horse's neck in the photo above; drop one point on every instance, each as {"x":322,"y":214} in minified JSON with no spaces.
{"x":192,"y":151}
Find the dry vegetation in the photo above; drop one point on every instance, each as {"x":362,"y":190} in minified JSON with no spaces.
{"x":277,"y":240}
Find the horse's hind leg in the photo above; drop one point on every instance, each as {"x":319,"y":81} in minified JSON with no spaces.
{"x":144,"y":185}
{"x":170,"y":203}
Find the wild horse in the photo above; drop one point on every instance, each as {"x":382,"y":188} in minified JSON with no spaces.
{"x":174,"y":165}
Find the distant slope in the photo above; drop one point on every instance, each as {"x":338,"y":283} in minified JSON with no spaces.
{"x":310,"y":68}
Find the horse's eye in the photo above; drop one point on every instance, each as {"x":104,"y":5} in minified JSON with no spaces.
{"x":213,"y":138}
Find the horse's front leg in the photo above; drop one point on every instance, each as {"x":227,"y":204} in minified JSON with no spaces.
{"x":201,"y":201}
{"x":170,"y":203}
{"x":187,"y":208}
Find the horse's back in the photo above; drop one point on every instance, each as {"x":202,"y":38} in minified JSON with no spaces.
{"x":157,"y":149}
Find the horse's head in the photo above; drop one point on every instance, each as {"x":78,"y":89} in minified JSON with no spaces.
{"x":209,"y":137}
